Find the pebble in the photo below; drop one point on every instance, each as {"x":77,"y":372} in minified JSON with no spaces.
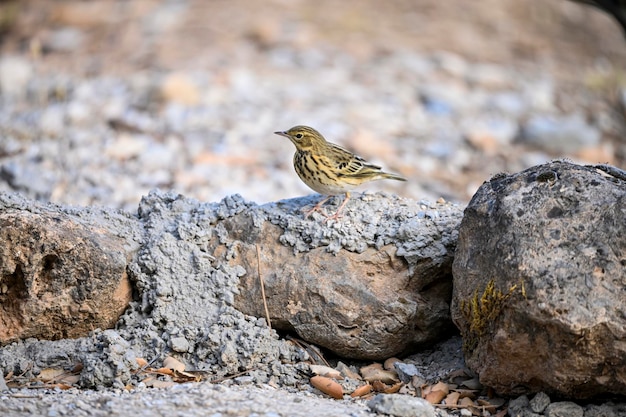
{"x":406,"y":371}
{"x":401,"y":406}
{"x":539,"y":402}
{"x":179,"y":344}
{"x":564,"y":409}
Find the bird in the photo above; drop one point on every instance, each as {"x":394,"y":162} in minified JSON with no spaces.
{"x":330,"y":169}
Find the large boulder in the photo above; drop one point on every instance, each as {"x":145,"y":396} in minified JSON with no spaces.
{"x":62,"y":272}
{"x":540,"y":281}
{"x":374,"y":284}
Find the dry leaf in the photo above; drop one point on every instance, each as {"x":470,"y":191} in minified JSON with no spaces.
{"x":326,"y":371}
{"x":164,"y":371}
{"x":379,"y":386}
{"x":327,"y":386}
{"x":148,"y":381}
{"x":181,"y":377}
{"x":452,"y":398}
{"x":347,"y":372}
{"x":486,"y":405}
{"x":393,"y":389}
{"x":50,"y":374}
{"x":361,"y":391}
{"x":69,"y":379}
{"x":375,"y":372}
{"x":466,"y":402}
{"x":388,"y":365}
{"x":141,"y":362}
{"x":175,"y":364}
{"x":435,"y":393}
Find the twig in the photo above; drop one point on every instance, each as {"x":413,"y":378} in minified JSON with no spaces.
{"x":258,"y":267}
{"x":218,"y":380}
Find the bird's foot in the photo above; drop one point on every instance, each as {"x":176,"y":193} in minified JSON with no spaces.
{"x":316,"y":208}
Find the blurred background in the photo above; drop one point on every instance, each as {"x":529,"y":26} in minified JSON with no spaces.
{"x":103,"y":100}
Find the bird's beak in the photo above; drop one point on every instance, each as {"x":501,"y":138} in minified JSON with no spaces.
{"x":282,"y":134}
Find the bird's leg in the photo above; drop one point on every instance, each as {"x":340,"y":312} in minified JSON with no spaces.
{"x":318,"y":207}
{"x":338,"y":212}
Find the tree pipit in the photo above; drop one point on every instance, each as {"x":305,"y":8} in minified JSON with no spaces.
{"x":330,"y":169}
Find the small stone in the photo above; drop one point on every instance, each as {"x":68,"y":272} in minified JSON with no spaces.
{"x":406,"y":371}
{"x":564,"y":409}
{"x":602,"y":410}
{"x":539,"y":402}
{"x":3,"y":384}
{"x":179,"y":344}
{"x":401,"y":406}
{"x":518,"y":405}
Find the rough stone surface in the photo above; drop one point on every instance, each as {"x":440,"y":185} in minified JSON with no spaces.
{"x":62,"y":274}
{"x":401,"y":406}
{"x":182,"y":306}
{"x":551,"y":241}
{"x":196,"y":260}
{"x":539,"y":402}
{"x":564,"y":409}
{"x":518,"y":405}
{"x":372,"y":285}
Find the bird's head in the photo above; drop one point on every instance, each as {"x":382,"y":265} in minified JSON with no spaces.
{"x":303,"y":137}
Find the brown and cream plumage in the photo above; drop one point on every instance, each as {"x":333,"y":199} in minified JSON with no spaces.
{"x":330,"y":169}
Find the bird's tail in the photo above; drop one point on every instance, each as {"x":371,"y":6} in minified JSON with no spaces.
{"x":390,"y":176}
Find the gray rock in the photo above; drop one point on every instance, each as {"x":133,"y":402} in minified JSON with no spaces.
{"x":406,"y":371}
{"x":559,"y":134}
{"x":373,"y":285}
{"x":539,"y":402}
{"x":564,"y":409}
{"x":401,"y":406}
{"x":518,"y":405}
{"x":539,"y":282}
{"x":3,"y":384}
{"x":179,"y":344}
{"x":603,"y":410}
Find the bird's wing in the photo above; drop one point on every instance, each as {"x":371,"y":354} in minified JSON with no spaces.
{"x":348,"y":164}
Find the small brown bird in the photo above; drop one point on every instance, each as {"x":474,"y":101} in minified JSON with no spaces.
{"x":330,"y":169}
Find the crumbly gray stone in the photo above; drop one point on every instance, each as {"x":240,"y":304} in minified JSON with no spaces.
{"x":183,"y":306}
{"x":401,"y":406}
{"x":564,"y":409}
{"x":539,"y":402}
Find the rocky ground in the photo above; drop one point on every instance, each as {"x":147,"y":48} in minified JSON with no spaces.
{"x":104,"y":101}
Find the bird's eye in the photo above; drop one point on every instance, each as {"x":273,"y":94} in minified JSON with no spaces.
{"x":299,"y":135}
